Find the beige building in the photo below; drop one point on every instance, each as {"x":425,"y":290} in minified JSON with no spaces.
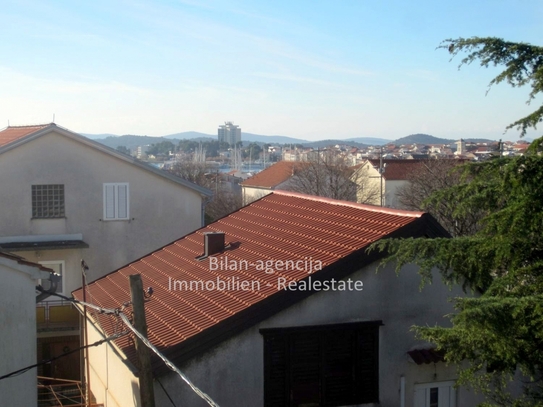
{"x":387,"y":179}
{"x":67,"y":198}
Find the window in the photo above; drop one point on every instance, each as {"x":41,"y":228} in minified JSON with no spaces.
{"x":48,"y":201}
{"x":58,"y":267}
{"x":329,"y":365}
{"x":116,"y":201}
{"x":439,"y":394}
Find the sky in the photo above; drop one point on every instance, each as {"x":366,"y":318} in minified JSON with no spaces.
{"x":306,"y":69}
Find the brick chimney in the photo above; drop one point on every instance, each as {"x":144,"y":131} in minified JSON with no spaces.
{"x":213,"y":243}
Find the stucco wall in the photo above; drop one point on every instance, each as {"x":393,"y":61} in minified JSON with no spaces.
{"x":250,"y":194}
{"x":160,"y":210}
{"x":18,"y":333}
{"x":232,"y":373}
{"x":111,"y":380}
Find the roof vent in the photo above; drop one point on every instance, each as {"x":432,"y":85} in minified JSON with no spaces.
{"x":213,"y":243}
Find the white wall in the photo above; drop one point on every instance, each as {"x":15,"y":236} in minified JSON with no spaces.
{"x":251,"y":194}
{"x":18,"y":333}
{"x":232,"y":373}
{"x":160,"y":210}
{"x":111,"y":380}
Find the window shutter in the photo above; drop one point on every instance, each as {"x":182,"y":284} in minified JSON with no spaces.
{"x":275,"y":371}
{"x":122,"y":201}
{"x":109,"y":201}
{"x":339,"y":377}
{"x":368,"y":364}
{"x":305,"y":368}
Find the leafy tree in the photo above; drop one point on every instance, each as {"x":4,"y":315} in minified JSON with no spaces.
{"x":523,"y":66}
{"x":164,"y":147}
{"x":123,"y":150}
{"x":500,"y":331}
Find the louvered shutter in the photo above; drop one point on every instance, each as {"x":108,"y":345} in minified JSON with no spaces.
{"x":122,"y":201}
{"x":305,"y":368}
{"x":109,"y":201}
{"x":367,"y":342}
{"x":340,"y":387}
{"x":275,"y":371}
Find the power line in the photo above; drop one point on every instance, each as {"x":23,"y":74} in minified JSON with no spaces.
{"x":44,"y":362}
{"x":168,"y":363}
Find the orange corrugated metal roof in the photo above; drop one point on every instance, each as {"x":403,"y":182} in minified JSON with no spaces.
{"x":279,"y":227}
{"x":273,"y":175}
{"x":12,"y":133}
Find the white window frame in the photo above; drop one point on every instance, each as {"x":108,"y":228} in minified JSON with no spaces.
{"x":116,"y":186}
{"x":426,"y":387}
{"x":48,"y":263}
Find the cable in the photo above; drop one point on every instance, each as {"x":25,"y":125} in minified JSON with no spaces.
{"x":114,"y":311}
{"x":168,"y":363}
{"x":44,"y":362}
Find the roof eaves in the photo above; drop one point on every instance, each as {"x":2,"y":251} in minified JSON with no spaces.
{"x":101,"y":147}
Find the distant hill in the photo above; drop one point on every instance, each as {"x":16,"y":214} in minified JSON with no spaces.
{"x":98,"y":136}
{"x":327,"y":143}
{"x":189,"y":135}
{"x":421,"y":139}
{"x":132,"y":142}
{"x":271,"y":139}
{"x":370,"y":141}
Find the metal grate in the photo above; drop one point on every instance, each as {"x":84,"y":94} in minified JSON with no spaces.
{"x":48,"y":201}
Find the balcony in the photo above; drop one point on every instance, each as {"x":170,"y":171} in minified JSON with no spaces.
{"x":56,"y":316}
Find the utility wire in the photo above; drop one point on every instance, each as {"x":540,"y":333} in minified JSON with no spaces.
{"x":168,"y":363}
{"x":44,"y":362}
{"x":114,"y":311}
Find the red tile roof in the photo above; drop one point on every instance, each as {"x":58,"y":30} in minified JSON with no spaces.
{"x":12,"y":133}
{"x":397,"y":170}
{"x":279,"y":227}
{"x":273,"y":175}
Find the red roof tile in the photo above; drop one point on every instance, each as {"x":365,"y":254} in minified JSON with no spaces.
{"x":273,"y":175}
{"x":279,"y":227}
{"x":12,"y":133}
{"x":397,"y":170}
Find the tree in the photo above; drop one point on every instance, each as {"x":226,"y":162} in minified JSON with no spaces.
{"x":523,"y":66}
{"x":433,"y":176}
{"x":500,"y":331}
{"x":224,"y":201}
{"x":331,"y":176}
{"x":123,"y":150}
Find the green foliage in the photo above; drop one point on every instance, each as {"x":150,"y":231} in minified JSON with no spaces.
{"x":500,"y":330}
{"x":164,"y":147}
{"x":523,"y":66}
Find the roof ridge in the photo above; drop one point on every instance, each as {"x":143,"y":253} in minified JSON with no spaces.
{"x":372,"y":208}
{"x":28,"y":125}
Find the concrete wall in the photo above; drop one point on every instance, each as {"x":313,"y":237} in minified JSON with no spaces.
{"x":160,"y":210}
{"x":251,"y":194}
{"x":18,"y":333}
{"x":232,"y":373}
{"x":111,"y":380}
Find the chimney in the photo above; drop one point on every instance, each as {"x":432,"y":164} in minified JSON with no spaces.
{"x":213,"y":243}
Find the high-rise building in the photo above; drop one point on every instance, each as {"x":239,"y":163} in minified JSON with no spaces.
{"x":229,"y":133}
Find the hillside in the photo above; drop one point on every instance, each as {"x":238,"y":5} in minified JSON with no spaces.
{"x":421,"y":139}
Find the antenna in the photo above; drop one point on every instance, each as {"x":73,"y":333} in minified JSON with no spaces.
{"x":53,"y":117}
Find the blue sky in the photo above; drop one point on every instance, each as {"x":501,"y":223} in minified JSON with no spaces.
{"x":306,"y":69}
